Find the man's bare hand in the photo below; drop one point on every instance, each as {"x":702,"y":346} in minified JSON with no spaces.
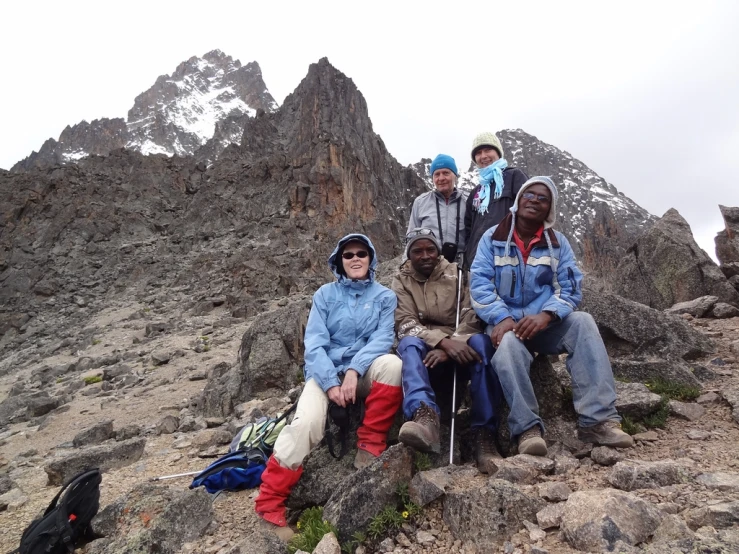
{"x":496,"y":335}
{"x":460,"y":352}
{"x":435,"y":357}
{"x":336,"y":396}
{"x":531,"y":325}
{"x":349,"y":386}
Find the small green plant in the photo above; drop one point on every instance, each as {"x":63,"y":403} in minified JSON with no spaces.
{"x":422,"y":461}
{"x":59,"y":380}
{"x":351,"y":545}
{"x":674,"y":391}
{"x":630,"y":426}
{"x":311,"y":529}
{"x":93,"y":379}
{"x":567,"y":394}
{"x":96,"y":341}
{"x":659,"y":417}
{"x":410,"y":509}
{"x":388,"y":518}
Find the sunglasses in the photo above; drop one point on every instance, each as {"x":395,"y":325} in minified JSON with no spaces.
{"x":540,"y":197}
{"x":362,"y":254}
{"x":419,"y":232}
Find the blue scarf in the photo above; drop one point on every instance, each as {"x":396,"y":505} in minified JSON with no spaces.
{"x":491,"y":173}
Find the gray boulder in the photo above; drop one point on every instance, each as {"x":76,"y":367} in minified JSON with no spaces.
{"x":105,"y":457}
{"x":321,"y":473}
{"x":722,"y":310}
{"x":94,"y":435}
{"x":427,"y":486}
{"x":152,"y":518}
{"x":629,"y":328}
{"x":719,"y":516}
{"x":672,"y":370}
{"x":631,"y":475}
{"x":25,"y":406}
{"x":727,"y":240}
{"x":167,"y":425}
{"x":635,"y":400}
{"x":731,"y":395}
{"x":719,"y":481}
{"x":488,"y":512}
{"x":697,"y":307}
{"x":685,"y":410}
{"x":666,"y":266}
{"x":363,"y":495}
{"x":551,"y":516}
{"x":270,"y":357}
{"x":606,"y":456}
{"x":596,"y":520}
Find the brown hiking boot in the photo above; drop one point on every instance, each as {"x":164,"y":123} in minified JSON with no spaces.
{"x":531,"y":442}
{"x":363,"y":458}
{"x":606,"y":433}
{"x":485,"y":452}
{"x":423,"y":432}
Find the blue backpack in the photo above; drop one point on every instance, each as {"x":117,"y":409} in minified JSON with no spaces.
{"x":242,"y":467}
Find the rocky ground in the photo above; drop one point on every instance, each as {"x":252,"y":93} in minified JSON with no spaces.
{"x":154,"y":362}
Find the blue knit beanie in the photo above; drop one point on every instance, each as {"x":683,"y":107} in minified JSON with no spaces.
{"x":443,"y":161}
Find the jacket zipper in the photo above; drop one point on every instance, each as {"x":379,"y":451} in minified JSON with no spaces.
{"x":513,"y":284}
{"x":571,"y":275}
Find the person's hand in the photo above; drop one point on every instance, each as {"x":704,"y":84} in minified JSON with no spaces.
{"x":349,"y":386}
{"x":531,"y":325}
{"x":336,"y":396}
{"x":496,"y":335}
{"x":458,"y":351}
{"x":435,"y":357}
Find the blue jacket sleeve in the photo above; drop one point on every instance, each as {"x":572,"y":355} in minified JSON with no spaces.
{"x":317,"y":341}
{"x":567,"y":282}
{"x":486,"y":302}
{"x":381,"y":339}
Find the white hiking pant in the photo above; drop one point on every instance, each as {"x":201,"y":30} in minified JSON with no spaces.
{"x":306,"y":430}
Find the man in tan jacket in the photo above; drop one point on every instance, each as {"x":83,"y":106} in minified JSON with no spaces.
{"x":430,"y":346}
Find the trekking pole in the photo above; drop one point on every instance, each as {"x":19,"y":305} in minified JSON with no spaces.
{"x":454,"y":385}
{"x":175,"y":475}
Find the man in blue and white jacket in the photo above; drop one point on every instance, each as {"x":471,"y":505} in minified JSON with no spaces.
{"x":526,"y":286}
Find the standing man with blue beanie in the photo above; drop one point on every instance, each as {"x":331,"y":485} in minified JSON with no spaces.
{"x":491,"y":200}
{"x":443,"y":209}
{"x":525,"y":284}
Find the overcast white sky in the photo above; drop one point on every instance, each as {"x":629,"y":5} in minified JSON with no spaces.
{"x":645,"y":93}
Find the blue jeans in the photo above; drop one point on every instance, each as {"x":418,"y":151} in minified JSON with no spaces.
{"x":485,"y":391}
{"x":593,"y":389}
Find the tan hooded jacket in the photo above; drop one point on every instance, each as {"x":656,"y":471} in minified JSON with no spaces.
{"x":427,"y":308}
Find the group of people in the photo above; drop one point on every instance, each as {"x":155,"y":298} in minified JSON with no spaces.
{"x":487,"y":283}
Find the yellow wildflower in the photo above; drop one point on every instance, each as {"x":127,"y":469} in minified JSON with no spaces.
{"x":405,"y":515}
{"x":299,"y":525}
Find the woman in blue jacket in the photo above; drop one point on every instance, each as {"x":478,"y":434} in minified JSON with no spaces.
{"x":347,"y":343}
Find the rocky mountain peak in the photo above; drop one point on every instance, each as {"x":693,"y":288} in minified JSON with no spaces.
{"x":202,"y":105}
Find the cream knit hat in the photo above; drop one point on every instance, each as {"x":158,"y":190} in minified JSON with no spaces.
{"x":486,"y":139}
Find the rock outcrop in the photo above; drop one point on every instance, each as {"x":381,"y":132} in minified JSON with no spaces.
{"x":665,"y":266}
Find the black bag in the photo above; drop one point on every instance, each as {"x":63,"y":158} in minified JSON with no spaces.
{"x":340,"y":418}
{"x":67,"y":520}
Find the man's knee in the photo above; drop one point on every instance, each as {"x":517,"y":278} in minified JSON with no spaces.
{"x":411,"y":344}
{"x":387,"y":369}
{"x":582,"y":321}
{"x":481,"y":344}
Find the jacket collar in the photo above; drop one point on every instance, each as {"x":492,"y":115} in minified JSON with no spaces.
{"x":503,"y":229}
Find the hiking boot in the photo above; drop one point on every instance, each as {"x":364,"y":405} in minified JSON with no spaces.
{"x":363,"y":458}
{"x":282,"y":533}
{"x":485,"y":452}
{"x":422,"y":433}
{"x":531,"y":442}
{"x":606,"y":433}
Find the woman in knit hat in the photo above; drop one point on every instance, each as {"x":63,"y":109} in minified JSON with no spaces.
{"x":492,"y":199}
{"x":443,"y":209}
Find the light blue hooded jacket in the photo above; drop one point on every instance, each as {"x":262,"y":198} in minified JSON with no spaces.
{"x":503,"y":286}
{"x":351,"y":323}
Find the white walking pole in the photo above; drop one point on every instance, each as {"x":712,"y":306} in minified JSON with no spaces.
{"x":454,"y":385}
